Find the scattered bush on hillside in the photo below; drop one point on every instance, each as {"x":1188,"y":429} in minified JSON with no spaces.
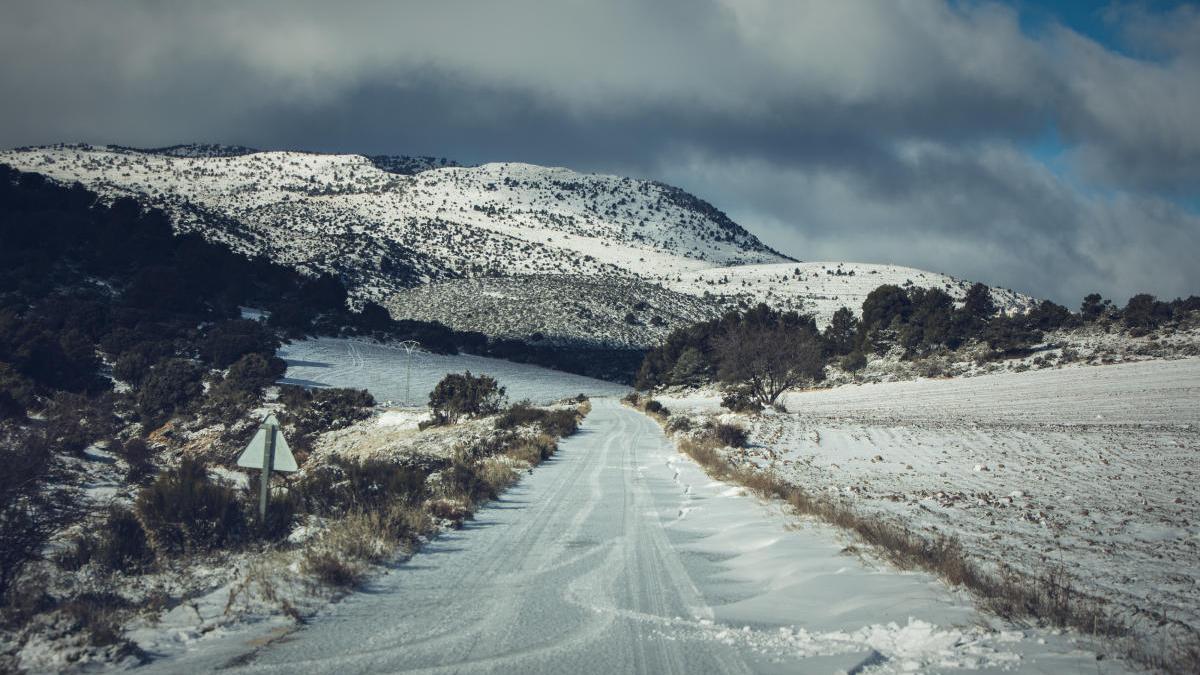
{"x":314,"y":411}
{"x":167,"y":390}
{"x":678,"y":423}
{"x":122,"y":544}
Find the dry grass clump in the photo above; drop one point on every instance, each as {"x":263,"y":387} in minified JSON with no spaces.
{"x":454,"y":511}
{"x":339,"y":557}
{"x":533,"y":451}
{"x":331,"y":569}
{"x":497,"y":473}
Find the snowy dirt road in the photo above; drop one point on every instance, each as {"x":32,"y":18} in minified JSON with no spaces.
{"x":618,"y":555}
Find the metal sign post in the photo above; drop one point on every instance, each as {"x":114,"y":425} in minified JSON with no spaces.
{"x":268,"y":451}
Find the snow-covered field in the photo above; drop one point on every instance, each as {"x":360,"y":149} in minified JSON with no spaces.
{"x":382,"y":369}
{"x":1093,"y":470}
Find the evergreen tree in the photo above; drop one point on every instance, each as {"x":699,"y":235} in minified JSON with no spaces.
{"x":842,"y":331}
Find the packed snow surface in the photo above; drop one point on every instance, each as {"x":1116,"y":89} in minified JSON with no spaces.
{"x":382,"y":369}
{"x":619,"y":555}
{"x":1087,"y":471}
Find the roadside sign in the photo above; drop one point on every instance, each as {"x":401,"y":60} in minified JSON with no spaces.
{"x":255,"y":453}
{"x":267,"y":451}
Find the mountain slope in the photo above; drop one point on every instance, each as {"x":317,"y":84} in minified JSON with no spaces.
{"x":389,"y":226}
{"x":384,"y":231}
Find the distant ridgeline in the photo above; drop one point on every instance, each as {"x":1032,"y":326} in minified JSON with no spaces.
{"x":77,"y":276}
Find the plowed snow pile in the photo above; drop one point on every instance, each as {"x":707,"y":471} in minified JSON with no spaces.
{"x":1089,"y":471}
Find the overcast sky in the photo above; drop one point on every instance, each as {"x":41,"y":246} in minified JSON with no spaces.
{"x":1052,"y":150}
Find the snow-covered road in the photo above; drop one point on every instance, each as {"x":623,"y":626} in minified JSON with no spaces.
{"x":619,"y":555}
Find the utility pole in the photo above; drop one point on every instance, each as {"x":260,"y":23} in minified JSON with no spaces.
{"x":409,"y":346}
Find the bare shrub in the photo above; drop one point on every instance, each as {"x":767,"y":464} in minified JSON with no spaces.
{"x":655,"y":409}
{"x":533,"y":451}
{"x":183,"y":512}
{"x":98,"y":615}
{"x":331,"y":570}
{"x":730,"y":435}
{"x":678,"y":423}
{"x":561,"y":422}
{"x":122,"y":544}
{"x":461,"y":480}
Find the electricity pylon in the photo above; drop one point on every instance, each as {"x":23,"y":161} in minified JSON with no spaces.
{"x":409,"y":346}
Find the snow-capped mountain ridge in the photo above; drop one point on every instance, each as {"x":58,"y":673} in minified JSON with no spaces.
{"x":387,"y":225}
{"x":343,"y":214}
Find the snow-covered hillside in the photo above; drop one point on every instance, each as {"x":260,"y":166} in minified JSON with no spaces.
{"x":344,"y":214}
{"x":387,"y":225}
{"x":558,"y":309}
{"x":820,"y":288}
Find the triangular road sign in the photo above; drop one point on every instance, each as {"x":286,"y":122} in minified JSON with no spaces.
{"x":252,"y":456}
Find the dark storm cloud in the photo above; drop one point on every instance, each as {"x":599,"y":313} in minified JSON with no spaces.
{"x":893,"y":131}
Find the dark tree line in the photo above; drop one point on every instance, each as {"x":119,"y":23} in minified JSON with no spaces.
{"x":766,"y":351}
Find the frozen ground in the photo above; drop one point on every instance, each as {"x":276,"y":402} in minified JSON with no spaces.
{"x":381,"y":368}
{"x":619,"y":555}
{"x":1092,"y":470}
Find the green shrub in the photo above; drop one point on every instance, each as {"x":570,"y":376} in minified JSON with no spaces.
{"x":465,"y":395}
{"x":183,"y":511}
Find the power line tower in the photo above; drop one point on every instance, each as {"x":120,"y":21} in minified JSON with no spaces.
{"x":409,"y":347}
